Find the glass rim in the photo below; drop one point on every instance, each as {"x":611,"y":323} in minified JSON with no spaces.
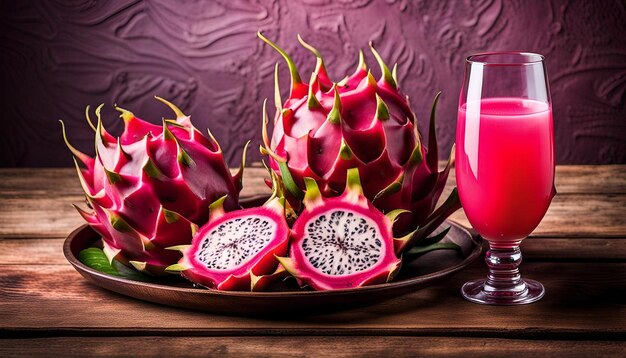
{"x":526,"y":58}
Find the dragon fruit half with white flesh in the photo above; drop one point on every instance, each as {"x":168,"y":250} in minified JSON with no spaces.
{"x":151,"y":185}
{"x":236,"y":251}
{"x":343,"y":241}
{"x":324,"y":128}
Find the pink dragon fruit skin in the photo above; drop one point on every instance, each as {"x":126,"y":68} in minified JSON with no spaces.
{"x":151,"y":186}
{"x":323,"y":128}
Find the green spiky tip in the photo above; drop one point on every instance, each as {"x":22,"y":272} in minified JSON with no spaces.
{"x":179,"y":113}
{"x":265,"y":148}
{"x":371,"y":80}
{"x":361,"y":64}
{"x":125,"y":114}
{"x":81,"y":179}
{"x":98,"y":110}
{"x":289,"y":182}
{"x":345,"y":152}
{"x":175,"y":268}
{"x":139,"y":265}
{"x":394,"y":72}
{"x":119,"y":224}
{"x":167,"y":133}
{"x":184,"y":158}
{"x":121,"y":149}
{"x":170,"y":216}
{"x":288,"y":264}
{"x":312,"y":101}
{"x":295,"y":76}
{"x":432,"y":154}
{"x":212,"y":137}
{"x":343,"y":81}
{"x":277,"y":100}
{"x":401,"y":243}
{"x":77,"y":154}
{"x":238,"y":177}
{"x":88,"y":117}
{"x":218,"y":204}
{"x":390,"y":189}
{"x":387,"y":75}
{"x":112,"y":176}
{"x":393,"y":215}
{"x":353,"y":181}
{"x":309,"y":47}
{"x":320,"y":61}
{"x":382,"y":111}
{"x":395,"y":269}
{"x":312,"y":192}
{"x":416,"y":156}
{"x":180,"y":248}
{"x":335,"y":113}
{"x":152,"y":170}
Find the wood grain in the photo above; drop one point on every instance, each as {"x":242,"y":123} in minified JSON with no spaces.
{"x":580,"y":302}
{"x":49,"y":251}
{"x":36,"y":203}
{"x":570,"y":179}
{"x":578,"y":253}
{"x":315,"y":346}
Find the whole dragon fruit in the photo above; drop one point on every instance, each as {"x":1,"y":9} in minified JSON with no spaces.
{"x":149,"y":187}
{"x":324,"y":128}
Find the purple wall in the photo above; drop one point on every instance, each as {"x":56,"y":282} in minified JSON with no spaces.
{"x":58,"y":56}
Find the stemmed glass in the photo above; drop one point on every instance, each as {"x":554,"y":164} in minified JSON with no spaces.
{"x":505,"y":165}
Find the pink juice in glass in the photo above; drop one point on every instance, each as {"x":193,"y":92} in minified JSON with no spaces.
{"x":505,"y":166}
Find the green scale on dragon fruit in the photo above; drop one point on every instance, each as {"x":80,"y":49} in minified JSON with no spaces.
{"x":324,"y":128}
{"x":148,"y":187}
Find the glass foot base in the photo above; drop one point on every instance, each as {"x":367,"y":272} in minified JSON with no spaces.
{"x":474,"y":292}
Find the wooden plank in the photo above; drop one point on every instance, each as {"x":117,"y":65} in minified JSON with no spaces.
{"x":570,"y":179}
{"x":573,"y":249}
{"x":577,"y":215}
{"x":580,"y":302}
{"x":50,"y":251}
{"x":591,"y":179}
{"x":37,"y":203}
{"x":586,"y":179}
{"x":315,"y":346}
{"x":598,"y":215}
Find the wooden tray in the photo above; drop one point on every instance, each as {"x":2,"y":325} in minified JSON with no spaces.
{"x":286,"y":296}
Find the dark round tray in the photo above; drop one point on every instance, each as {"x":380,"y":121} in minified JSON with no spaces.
{"x":286,"y":297}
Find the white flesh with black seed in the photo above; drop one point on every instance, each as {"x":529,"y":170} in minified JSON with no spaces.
{"x":235,"y":241}
{"x":342,"y":242}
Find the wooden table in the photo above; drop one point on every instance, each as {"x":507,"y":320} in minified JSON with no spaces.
{"x":578,"y":253}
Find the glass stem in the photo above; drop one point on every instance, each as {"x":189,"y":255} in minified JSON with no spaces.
{"x":504,"y":278}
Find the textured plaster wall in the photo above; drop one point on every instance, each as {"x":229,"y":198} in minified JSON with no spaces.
{"x":58,"y":56}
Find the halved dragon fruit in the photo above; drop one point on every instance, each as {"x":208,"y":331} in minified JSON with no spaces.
{"x":236,"y":251}
{"x":323,"y":128}
{"x":149,"y":185}
{"x":342,"y":242}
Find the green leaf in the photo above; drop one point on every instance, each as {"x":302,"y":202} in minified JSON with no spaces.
{"x":435,"y":238}
{"x":95,"y":258}
{"x":417,"y":251}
